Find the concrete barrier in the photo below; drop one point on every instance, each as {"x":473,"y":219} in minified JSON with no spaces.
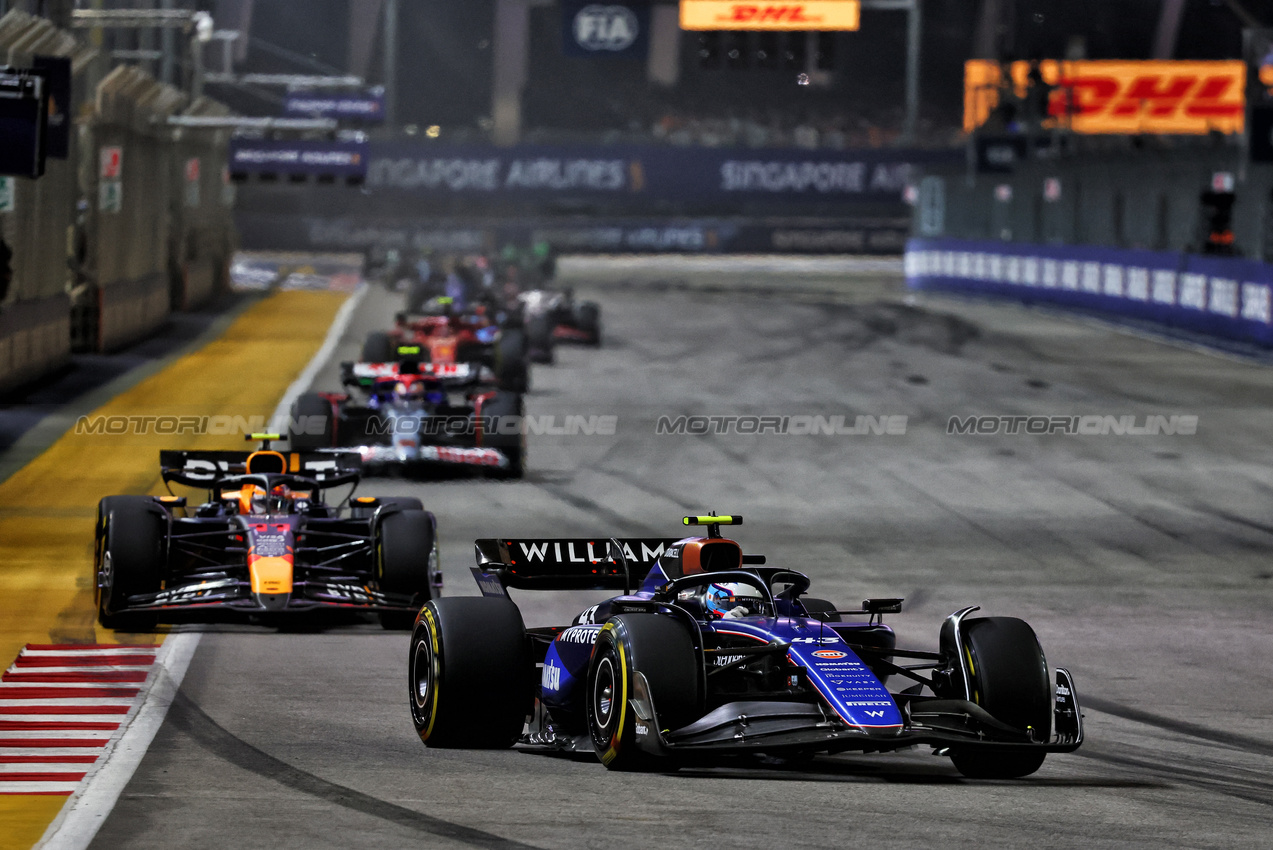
{"x":1220,"y":296}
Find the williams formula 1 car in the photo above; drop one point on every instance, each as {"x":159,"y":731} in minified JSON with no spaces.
{"x":414,"y":416}
{"x":716,"y":654}
{"x":263,"y":544}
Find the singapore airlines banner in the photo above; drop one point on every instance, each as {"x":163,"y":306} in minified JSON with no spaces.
{"x":655,"y":172}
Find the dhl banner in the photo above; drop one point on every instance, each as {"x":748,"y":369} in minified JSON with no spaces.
{"x":1160,"y":97}
{"x":759,"y":15}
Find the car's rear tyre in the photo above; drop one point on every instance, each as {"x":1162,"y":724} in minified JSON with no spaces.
{"x":588,"y":320}
{"x":131,"y":533}
{"x":511,"y":368}
{"x":539,"y":340}
{"x":1009,"y":678}
{"x":470,"y":673}
{"x":820,"y":609}
{"x":507,"y":407}
{"x":406,"y":559}
{"x":659,"y":648}
{"x":378,"y":348}
{"x":309,"y":408}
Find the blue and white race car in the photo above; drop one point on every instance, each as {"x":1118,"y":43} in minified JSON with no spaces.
{"x":717,"y":654}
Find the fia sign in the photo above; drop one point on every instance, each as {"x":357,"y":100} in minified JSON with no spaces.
{"x":602,"y":29}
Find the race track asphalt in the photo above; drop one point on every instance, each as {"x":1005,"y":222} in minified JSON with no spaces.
{"x":1141,"y":561}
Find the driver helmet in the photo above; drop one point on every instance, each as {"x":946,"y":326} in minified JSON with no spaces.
{"x":729,"y":600}
{"x":273,"y":501}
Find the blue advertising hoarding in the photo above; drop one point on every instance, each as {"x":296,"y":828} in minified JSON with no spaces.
{"x":366,"y":107}
{"x":666,"y":172}
{"x":614,"y":29}
{"x":300,"y":157}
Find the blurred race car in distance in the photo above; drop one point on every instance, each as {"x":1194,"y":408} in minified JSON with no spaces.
{"x":416,"y":417}
{"x":443,"y":334}
{"x":264,"y":543}
{"x":553,"y":316}
{"x":716,"y":655}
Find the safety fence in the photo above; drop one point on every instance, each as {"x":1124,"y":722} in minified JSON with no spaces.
{"x":1219,"y":296}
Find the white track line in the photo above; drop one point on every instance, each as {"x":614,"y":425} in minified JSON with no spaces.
{"x":93,"y":799}
{"x":307,"y":375}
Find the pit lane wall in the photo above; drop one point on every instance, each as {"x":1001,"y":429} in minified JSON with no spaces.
{"x":1218,"y":296}
{"x":134,"y":223}
{"x":35,"y":217}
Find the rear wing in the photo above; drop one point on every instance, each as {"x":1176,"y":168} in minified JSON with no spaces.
{"x":205,"y":468}
{"x":565,"y":563}
{"x":453,"y":374}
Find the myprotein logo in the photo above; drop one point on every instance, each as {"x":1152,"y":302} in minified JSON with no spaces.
{"x":606,"y":28}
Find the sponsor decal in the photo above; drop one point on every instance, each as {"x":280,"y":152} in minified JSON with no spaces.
{"x":551,"y":679}
{"x":642,"y":729}
{"x":802,"y":15}
{"x":829,"y":653}
{"x":584,"y":552}
{"x":580,"y":634}
{"x":726,"y":660}
{"x":490,"y":586}
{"x":452,"y":454}
{"x":1132,"y":97}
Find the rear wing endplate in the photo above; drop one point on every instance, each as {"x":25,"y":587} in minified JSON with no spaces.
{"x":565,"y":563}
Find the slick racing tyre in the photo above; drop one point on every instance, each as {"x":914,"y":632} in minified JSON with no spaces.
{"x":511,"y":368}
{"x":539,"y":340}
{"x":308,"y":409}
{"x":130,"y":559}
{"x":407,"y":554}
{"x":659,"y":648}
{"x":507,"y":407}
{"x":1009,"y":678}
{"x":588,"y":320}
{"x":470,"y":673}
{"x":378,"y":348}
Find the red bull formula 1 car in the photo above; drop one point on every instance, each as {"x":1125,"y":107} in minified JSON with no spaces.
{"x":264,"y":544}
{"x":713,"y":654}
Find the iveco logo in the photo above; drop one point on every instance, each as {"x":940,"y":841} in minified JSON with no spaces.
{"x":611,"y":28}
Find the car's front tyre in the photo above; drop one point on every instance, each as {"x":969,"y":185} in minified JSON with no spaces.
{"x":470,"y":674}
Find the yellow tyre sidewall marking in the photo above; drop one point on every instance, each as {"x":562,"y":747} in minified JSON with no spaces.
{"x":616,"y":739}
{"x":435,"y":671}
